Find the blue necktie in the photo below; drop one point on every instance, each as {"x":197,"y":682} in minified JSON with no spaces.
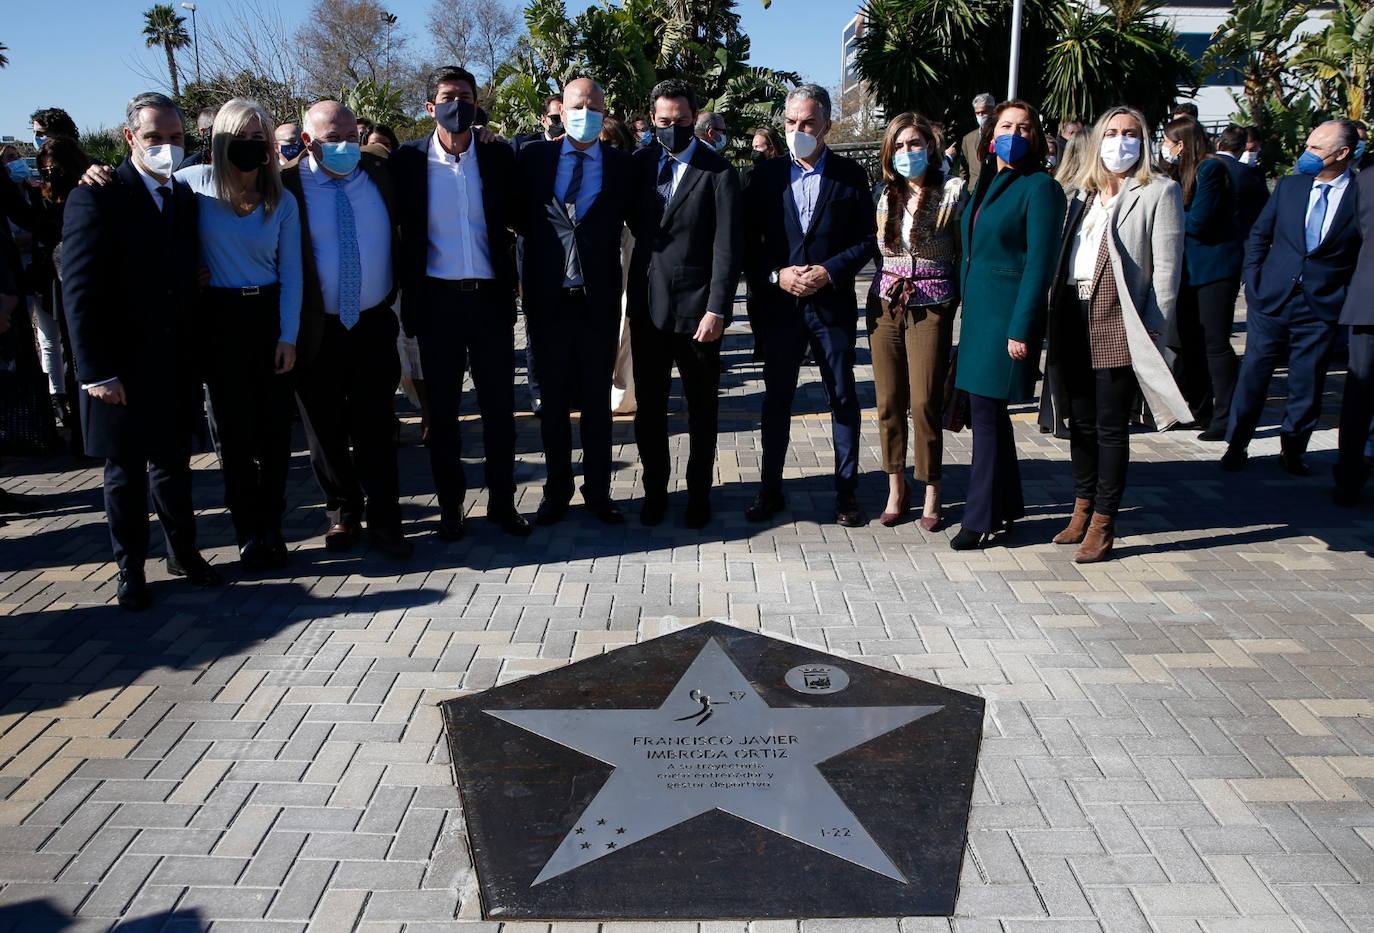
{"x":1317,"y":218}
{"x":350,"y":264}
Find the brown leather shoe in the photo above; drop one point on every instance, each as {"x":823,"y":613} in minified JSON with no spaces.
{"x":341,"y":537}
{"x":1097,"y":543}
{"x":1078,"y":523}
{"x":888,"y":519}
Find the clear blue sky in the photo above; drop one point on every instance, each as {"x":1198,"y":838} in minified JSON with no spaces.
{"x":88,"y":57}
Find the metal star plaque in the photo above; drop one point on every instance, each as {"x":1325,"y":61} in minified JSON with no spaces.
{"x":715,"y":773}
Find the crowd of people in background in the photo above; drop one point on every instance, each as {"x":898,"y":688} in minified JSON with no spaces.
{"x":318,"y":263}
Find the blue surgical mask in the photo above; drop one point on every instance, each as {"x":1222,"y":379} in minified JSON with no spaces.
{"x":583,"y":125}
{"x":1309,"y":163}
{"x":646,"y":138}
{"x":1359,"y":151}
{"x":721,"y":142}
{"x":290,"y":150}
{"x":19,"y":171}
{"x":910,"y":164}
{"x":1011,"y":147}
{"x":38,"y":140}
{"x":340,"y":158}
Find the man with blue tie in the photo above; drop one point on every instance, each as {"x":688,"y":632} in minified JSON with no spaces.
{"x":347,"y":362}
{"x":573,"y":196}
{"x":1298,"y":264}
{"x":809,"y":228}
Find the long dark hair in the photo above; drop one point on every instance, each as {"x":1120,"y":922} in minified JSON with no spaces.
{"x":1196,"y":150}
{"x":61,"y":163}
{"x":896,"y":188}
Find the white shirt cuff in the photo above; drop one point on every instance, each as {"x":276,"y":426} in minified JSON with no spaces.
{"x":716,"y":314}
{"x":103,"y":382}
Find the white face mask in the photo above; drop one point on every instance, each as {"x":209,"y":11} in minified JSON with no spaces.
{"x":162,"y":160}
{"x":1120,"y":152}
{"x":1168,"y":155}
{"x":802,"y":145}
{"x":1249,"y":158}
{"x":982,"y":119}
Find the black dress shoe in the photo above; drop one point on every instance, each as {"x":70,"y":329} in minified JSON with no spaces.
{"x":967,"y":540}
{"x":195,"y":569}
{"x":341,"y":537}
{"x":450,"y":528}
{"x":653,"y":510}
{"x":848,"y":513}
{"x":254,"y":556}
{"x":131,"y":591}
{"x":550,"y":512}
{"x":765,"y":506}
{"x":606,"y":512}
{"x":1290,"y":457}
{"x":1233,"y":461}
{"x":1213,"y":434}
{"x":511,"y":522}
{"x":390,"y":542}
{"x":277,"y":555}
{"x":698,"y":514}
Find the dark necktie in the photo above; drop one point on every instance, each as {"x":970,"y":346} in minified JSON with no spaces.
{"x":575,"y":185}
{"x":665,"y":180}
{"x":164,"y":195}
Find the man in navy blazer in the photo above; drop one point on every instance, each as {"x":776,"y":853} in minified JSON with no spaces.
{"x":809,"y":228}
{"x":1249,"y":193}
{"x":457,"y":272}
{"x":1357,"y":402}
{"x":1298,"y":262}
{"x":130,"y":255}
{"x":572,"y":199}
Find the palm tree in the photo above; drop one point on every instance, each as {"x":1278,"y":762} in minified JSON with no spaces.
{"x":1258,"y":40}
{"x":162,"y":26}
{"x":4,"y":59}
{"x":1342,"y":55}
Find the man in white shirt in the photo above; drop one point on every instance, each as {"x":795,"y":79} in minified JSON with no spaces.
{"x":348,"y":362}
{"x":457,"y":270}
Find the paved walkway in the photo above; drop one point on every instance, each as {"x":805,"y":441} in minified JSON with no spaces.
{"x":1177,"y":741}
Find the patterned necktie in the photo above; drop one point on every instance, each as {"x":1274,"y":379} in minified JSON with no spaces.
{"x":575,"y":185}
{"x":1317,"y":218}
{"x":665,"y":180}
{"x":350,"y":264}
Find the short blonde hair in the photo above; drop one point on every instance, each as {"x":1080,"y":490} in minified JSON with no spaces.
{"x":232,"y":119}
{"x":1092,"y":175}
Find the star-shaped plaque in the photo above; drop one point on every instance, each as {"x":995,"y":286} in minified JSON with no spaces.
{"x":714,"y":744}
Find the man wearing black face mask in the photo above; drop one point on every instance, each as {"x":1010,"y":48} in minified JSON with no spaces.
{"x":681,"y":293}
{"x":457,"y":269}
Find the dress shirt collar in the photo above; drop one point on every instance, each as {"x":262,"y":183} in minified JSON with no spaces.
{"x":594,"y":152}
{"x":820,"y":164}
{"x":437,"y":152}
{"x":1337,"y":184}
{"x":685,"y":156}
{"x":150,"y":182}
{"x":1228,"y":155}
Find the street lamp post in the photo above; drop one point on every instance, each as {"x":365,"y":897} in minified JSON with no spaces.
{"x":1015,"y":64}
{"x":195,"y":35}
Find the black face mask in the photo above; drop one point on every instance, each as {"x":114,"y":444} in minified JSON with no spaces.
{"x":758,"y":155}
{"x":674,"y":138}
{"x":456,"y":116}
{"x":247,"y":154}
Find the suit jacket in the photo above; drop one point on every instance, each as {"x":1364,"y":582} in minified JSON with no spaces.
{"x":1249,"y":192}
{"x":1145,"y":247}
{"x":971,"y":156}
{"x":549,"y":235}
{"x":842,"y":236}
{"x":409,"y":168}
{"x":686,"y":259}
{"x":1276,"y":259}
{"x":1005,"y":277}
{"x":312,"y":302}
{"x":1359,"y":301}
{"x":130,"y":291}
{"x":1211,"y":252}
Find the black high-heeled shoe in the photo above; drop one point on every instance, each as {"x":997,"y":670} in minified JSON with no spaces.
{"x":968,"y":540}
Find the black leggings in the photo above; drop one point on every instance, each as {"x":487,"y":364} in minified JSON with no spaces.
{"x":1100,"y":403}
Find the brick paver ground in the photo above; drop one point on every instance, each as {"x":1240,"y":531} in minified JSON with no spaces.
{"x":1177,"y":741}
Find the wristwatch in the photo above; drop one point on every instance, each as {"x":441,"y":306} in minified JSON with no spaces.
{"x":773,"y":277}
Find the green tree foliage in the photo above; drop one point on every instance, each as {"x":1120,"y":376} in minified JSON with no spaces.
{"x":162,"y":26}
{"x":4,"y":59}
{"x":104,"y":145}
{"x":377,"y":102}
{"x":1258,"y":40}
{"x":1341,"y":59}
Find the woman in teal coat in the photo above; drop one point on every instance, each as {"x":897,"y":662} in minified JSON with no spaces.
{"x":1011,"y":239}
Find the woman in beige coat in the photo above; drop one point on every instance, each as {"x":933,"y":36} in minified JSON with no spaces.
{"x":1119,"y":265}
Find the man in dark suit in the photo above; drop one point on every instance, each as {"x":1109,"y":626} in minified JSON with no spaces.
{"x":551,"y":120}
{"x":1357,"y":402}
{"x":1298,"y":263}
{"x":347,"y":362}
{"x":574,"y":195}
{"x":808,"y":229}
{"x":681,"y":293}
{"x":971,"y":154}
{"x":458,"y":277}
{"x":130,"y":255}
{"x":1249,"y":191}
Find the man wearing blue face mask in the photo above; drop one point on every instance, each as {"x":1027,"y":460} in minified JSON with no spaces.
{"x":457,"y":270}
{"x":573,"y":199}
{"x":288,"y":142}
{"x":1298,"y":263}
{"x":710,"y":129}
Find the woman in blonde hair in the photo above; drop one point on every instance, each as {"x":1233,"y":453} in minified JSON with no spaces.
{"x":911,"y":305}
{"x":1119,"y":265}
{"x":250,"y":238}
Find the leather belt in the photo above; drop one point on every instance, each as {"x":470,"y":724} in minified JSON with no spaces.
{"x":574,"y":291}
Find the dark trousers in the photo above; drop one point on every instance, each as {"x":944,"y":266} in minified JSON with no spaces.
{"x":1100,"y":403}
{"x":345,"y":397}
{"x":127,"y":483}
{"x":470,"y":329}
{"x":655,"y":352}
{"x":1206,"y":315}
{"x":575,"y":345}
{"x":1304,"y":341}
{"x":832,"y":347}
{"x":1357,"y":406}
{"x":252,"y":406}
{"x":994,"y":484}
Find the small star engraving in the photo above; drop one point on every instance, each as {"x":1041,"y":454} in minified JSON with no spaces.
{"x":610,"y":845}
{"x":579,"y":830}
{"x":586,"y":845}
{"x":600,"y":822}
{"x":620,"y":831}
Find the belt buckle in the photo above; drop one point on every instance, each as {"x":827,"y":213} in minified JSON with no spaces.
{"x":578,"y":291}
{"x":250,"y":290}
{"x":468,"y":285}
{"x":1085,"y":291}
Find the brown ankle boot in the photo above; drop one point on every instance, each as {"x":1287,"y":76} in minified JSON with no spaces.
{"x":1078,"y":523}
{"x":1097,"y":544}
